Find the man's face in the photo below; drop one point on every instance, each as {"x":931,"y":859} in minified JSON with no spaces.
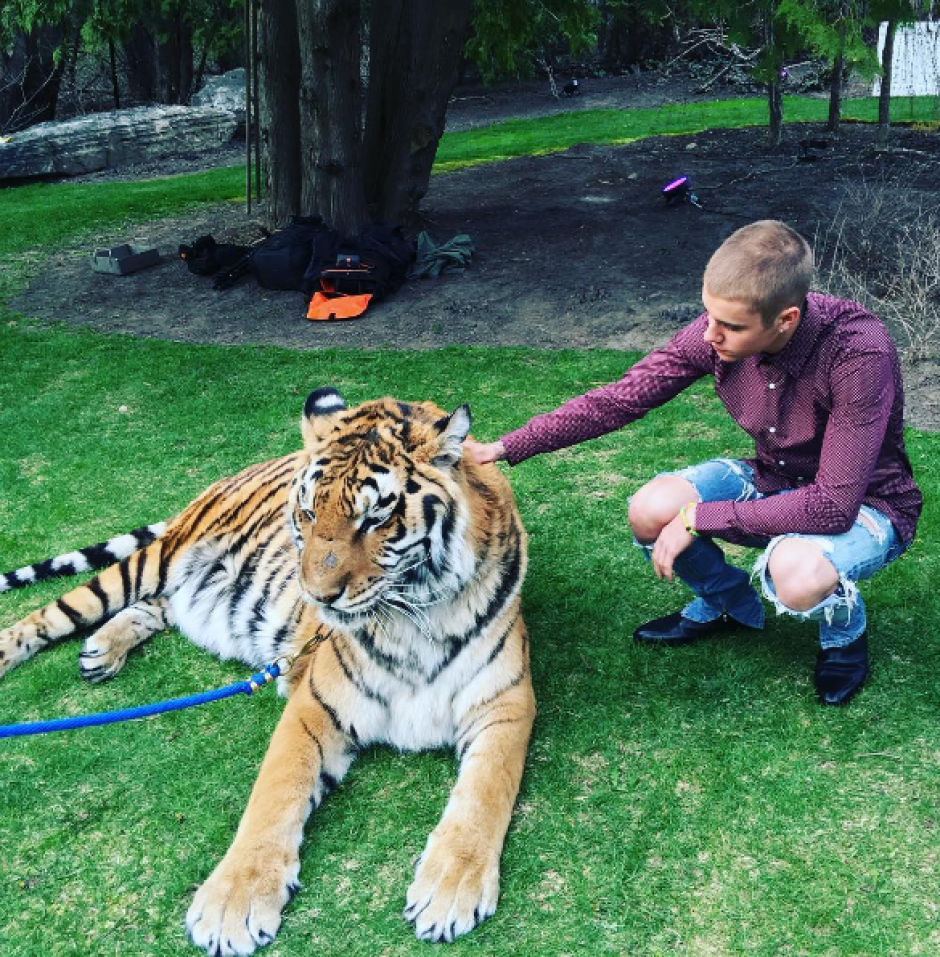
{"x":736,"y":330}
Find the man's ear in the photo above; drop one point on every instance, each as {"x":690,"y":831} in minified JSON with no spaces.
{"x":321,"y":414}
{"x":451,"y":431}
{"x":788,"y":318}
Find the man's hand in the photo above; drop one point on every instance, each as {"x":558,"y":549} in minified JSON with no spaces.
{"x":484,"y":453}
{"x":673,"y":540}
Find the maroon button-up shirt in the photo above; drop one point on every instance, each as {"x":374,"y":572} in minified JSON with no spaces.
{"x":825,"y":413}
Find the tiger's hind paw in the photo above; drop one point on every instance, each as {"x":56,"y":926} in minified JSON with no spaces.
{"x":16,"y":645}
{"x":452,"y":892}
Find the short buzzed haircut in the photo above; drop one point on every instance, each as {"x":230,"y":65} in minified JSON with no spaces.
{"x":766,"y":264}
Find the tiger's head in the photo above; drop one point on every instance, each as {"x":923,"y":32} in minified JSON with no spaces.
{"x":378,"y":509}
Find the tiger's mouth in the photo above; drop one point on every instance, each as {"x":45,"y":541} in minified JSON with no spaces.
{"x":408,"y":589}
{"x":331,"y":607}
{"x":335,"y":614}
{"x":339,"y":617}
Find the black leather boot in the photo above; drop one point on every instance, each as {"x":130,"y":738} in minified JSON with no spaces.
{"x":840,"y":672}
{"x":676,"y":630}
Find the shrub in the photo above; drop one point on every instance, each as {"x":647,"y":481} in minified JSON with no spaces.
{"x":882,"y":249}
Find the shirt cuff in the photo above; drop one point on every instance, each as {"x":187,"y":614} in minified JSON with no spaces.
{"x":519,"y":446}
{"x":714,"y":518}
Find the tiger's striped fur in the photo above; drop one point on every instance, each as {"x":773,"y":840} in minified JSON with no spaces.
{"x":85,"y":559}
{"x":406,"y":561}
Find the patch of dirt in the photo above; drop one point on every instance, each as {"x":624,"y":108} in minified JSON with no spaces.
{"x":574,"y":249}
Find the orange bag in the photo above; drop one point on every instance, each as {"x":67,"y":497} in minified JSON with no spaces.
{"x":323,"y":308}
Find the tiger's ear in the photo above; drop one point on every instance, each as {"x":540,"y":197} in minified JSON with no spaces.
{"x":451,"y":431}
{"x":321,"y":414}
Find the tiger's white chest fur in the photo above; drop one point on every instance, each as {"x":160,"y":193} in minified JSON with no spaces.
{"x":418,"y":702}
{"x":413,"y":672}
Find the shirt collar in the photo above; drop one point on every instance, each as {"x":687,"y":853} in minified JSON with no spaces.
{"x":792,"y":357}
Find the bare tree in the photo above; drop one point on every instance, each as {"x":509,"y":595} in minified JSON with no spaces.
{"x":30,"y":78}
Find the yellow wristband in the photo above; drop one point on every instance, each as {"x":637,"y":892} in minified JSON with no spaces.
{"x":685,"y":519}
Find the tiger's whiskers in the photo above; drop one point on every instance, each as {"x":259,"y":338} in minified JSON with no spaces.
{"x":422,"y":624}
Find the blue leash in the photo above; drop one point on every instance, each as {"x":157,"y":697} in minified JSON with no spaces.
{"x":274,"y":670}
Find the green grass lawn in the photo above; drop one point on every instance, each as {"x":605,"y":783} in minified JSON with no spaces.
{"x":563,"y":130}
{"x":690,"y":801}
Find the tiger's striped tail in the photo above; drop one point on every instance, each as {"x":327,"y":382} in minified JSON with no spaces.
{"x":141,"y":575}
{"x":84,"y":559}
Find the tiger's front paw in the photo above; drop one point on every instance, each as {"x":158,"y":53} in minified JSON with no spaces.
{"x":456,"y":887}
{"x":100,"y":658}
{"x":238,"y":909}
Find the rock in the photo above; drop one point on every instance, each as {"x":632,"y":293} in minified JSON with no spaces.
{"x":87,"y":144}
{"x":225,"y":92}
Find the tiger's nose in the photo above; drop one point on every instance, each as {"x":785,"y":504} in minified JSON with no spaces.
{"x":330,"y":560}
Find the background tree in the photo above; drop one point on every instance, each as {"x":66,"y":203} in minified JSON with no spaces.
{"x":894,"y":13}
{"x":31,"y":60}
{"x":331,"y":112}
{"x":781,"y":30}
{"x":280,"y":108}
{"x":632,"y":32}
{"x":517,"y":38}
{"x":357,"y":149}
{"x":765,"y":26}
{"x":407,"y":99}
{"x":151,"y":46}
{"x":832,"y":30}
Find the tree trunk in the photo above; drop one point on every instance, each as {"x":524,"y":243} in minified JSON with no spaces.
{"x":613,"y":38}
{"x":70,"y":73}
{"x":835,"y":93}
{"x":838,"y":71}
{"x":330,"y":113}
{"x":774,"y":84}
{"x":176,"y":58}
{"x":115,"y":84}
{"x":775,"y":109}
{"x":203,"y":58}
{"x":143,"y":70}
{"x":413,"y":59}
{"x":280,"y":111}
{"x":884,"y":99}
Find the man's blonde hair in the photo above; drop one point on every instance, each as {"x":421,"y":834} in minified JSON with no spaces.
{"x":766,"y":265}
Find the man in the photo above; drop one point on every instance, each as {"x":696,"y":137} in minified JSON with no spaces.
{"x":829,"y":494}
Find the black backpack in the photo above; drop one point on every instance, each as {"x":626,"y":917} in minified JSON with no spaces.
{"x":376,"y":262}
{"x":309,"y":256}
{"x":283,"y":260}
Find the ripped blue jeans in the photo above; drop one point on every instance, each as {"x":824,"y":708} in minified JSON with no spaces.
{"x":720,"y":588}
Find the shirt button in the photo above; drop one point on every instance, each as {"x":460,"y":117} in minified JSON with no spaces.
{"x":781,"y":462}
{"x":771,"y":385}
{"x":771,"y":430}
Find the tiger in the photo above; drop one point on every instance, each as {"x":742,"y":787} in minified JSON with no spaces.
{"x":390,"y":566}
